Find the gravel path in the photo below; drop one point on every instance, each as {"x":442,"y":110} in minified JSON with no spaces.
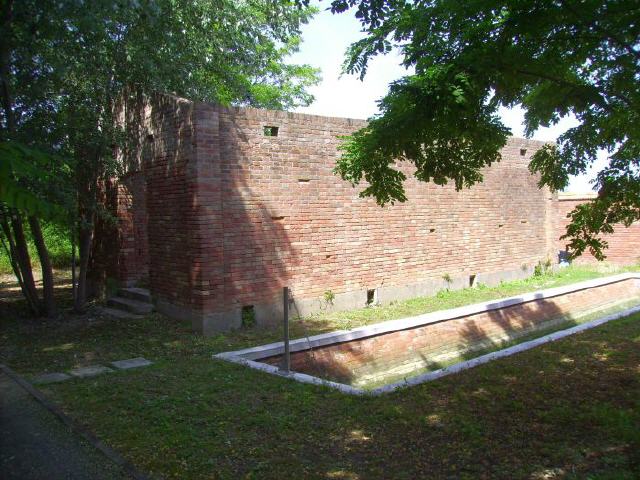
{"x":34,"y":444}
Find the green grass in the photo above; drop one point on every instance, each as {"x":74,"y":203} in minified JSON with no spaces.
{"x":57,"y":241}
{"x":568,"y":409}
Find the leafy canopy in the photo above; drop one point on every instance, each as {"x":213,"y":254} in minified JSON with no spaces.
{"x":67,"y":61}
{"x":23,"y":168}
{"x":469,"y":58}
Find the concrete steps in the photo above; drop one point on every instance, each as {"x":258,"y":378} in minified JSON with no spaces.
{"x":129,"y":303}
{"x":135,"y":293}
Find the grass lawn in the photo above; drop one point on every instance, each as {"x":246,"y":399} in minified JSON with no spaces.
{"x":569,"y":409}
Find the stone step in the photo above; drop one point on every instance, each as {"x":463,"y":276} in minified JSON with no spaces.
{"x":133,"y":306}
{"x":113,"y":312}
{"x":135,"y":293}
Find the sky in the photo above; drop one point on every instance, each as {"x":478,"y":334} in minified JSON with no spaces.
{"x":325,"y":40}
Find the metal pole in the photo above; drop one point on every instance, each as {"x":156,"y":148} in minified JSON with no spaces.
{"x":287,"y":354}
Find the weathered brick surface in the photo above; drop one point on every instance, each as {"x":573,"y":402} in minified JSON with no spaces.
{"x":288,"y":220}
{"x":233,"y":215}
{"x":133,"y":261}
{"x":624,"y":243}
{"x":405,"y":351}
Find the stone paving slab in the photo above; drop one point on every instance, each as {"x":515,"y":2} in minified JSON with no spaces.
{"x":50,"y":378}
{"x":131,"y":363}
{"x":90,"y":371}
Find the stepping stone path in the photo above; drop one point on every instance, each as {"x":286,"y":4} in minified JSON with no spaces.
{"x":91,"y":371}
{"x":51,"y":378}
{"x":132,"y":363}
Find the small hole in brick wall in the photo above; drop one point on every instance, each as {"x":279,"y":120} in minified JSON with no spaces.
{"x":523,"y":221}
{"x":270,"y":131}
{"x":472,"y":280}
{"x":304,"y":180}
{"x":277,"y":218}
{"x":523,"y":152}
{"x":248,"y":316}
{"x":431,"y":230}
{"x":500,"y":225}
{"x":328,"y":256}
{"x":150,"y":137}
{"x":372,"y":296}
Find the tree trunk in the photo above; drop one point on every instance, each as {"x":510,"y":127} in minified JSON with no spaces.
{"x":12,"y":254}
{"x":74,"y":289}
{"x":14,"y":232}
{"x":24,"y":262}
{"x":84,"y":247}
{"x":45,"y":264}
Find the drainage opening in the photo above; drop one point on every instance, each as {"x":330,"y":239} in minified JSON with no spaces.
{"x":248,"y":316}
{"x":372,"y":296}
{"x":472,"y":280}
{"x":270,"y":131}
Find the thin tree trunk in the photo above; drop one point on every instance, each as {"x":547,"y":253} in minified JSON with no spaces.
{"x":45,"y":264}
{"x":11,"y":252}
{"x":74,"y":288}
{"x":84,"y":247}
{"x":24,"y":262}
{"x":16,"y":230}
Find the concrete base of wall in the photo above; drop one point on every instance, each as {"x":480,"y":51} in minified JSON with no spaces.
{"x":384,"y":295}
{"x":271,"y":313}
{"x":206,"y":324}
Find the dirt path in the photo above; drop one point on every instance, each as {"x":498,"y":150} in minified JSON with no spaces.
{"x":34,"y":444}
{"x":10,"y":288}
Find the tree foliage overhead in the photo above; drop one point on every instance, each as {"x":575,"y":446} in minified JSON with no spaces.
{"x":67,"y":61}
{"x":469,"y":58}
{"x":25,"y":170}
{"x":63,"y":64}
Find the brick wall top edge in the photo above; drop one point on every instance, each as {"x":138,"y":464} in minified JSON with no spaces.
{"x":289,"y":116}
{"x":170,"y":96}
{"x":571,"y":197}
{"x":526,"y":142}
{"x":319,"y":119}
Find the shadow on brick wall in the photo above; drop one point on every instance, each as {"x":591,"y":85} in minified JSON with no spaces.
{"x":516,"y":323}
{"x":257,"y":248}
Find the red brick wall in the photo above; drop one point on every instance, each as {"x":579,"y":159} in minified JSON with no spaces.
{"x":288,"y":219}
{"x":234,"y":215}
{"x":133,"y":260}
{"x":158,"y":210}
{"x":624,"y":243}
{"x":171,"y":192}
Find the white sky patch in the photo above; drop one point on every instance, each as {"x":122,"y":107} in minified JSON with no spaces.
{"x":325,"y":40}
